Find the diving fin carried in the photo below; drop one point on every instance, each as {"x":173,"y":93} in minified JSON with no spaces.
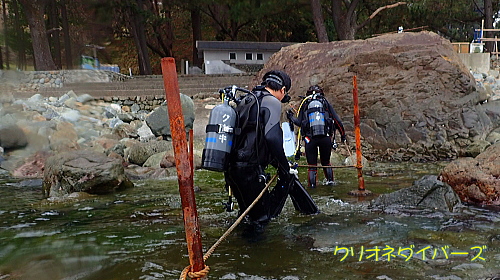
{"x":279,"y":194}
{"x":301,"y":199}
{"x":288,"y":139}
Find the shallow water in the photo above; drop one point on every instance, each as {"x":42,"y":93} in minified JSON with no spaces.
{"x":138,"y":234}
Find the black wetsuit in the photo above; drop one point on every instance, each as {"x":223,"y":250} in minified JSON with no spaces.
{"x":246,"y":175}
{"x":323,"y":143}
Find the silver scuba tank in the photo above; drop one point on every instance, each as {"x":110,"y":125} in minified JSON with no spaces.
{"x":316,"y":117}
{"x":219,"y":137}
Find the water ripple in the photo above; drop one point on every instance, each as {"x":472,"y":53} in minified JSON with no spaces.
{"x":38,"y":233}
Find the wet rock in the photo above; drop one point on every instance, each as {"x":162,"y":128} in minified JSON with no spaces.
{"x":476,"y":180}
{"x":426,"y":193}
{"x":31,"y":183}
{"x":83,"y":171}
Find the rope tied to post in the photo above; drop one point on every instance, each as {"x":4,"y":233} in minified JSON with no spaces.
{"x":186,"y":272}
{"x":193,"y":275}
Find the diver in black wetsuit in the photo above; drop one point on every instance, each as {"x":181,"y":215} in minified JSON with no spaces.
{"x":259,"y":144}
{"x":323,"y":138}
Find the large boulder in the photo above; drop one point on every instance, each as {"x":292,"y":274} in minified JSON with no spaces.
{"x":159,"y":122}
{"x":12,"y":137}
{"x":476,"y":180}
{"x":417,"y":99}
{"x":83,"y":171}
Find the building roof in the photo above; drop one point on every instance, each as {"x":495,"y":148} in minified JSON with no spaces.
{"x":241,"y":45}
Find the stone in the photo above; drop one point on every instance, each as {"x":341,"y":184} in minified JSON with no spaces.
{"x":85,"y":98}
{"x":159,"y":122}
{"x":154,"y":160}
{"x":475,"y":180}
{"x":145,"y":133}
{"x":64,"y":137}
{"x":426,"y":193}
{"x":83,"y":171}
{"x":33,"y":166}
{"x":140,"y":152}
{"x":12,"y":137}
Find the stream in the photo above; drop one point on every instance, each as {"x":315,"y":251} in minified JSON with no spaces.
{"x":139,"y":234}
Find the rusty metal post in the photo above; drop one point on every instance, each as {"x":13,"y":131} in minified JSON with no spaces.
{"x":183,"y":165}
{"x":357,"y":132}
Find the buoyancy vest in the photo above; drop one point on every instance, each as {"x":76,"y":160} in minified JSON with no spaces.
{"x":249,"y":145}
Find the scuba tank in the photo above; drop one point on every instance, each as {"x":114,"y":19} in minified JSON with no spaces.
{"x":316,"y":117}
{"x":219,"y":138}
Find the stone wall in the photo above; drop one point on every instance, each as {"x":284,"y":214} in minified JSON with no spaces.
{"x":34,"y":80}
{"x":136,"y":103}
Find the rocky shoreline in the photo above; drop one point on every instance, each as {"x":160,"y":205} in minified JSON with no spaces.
{"x":416,"y":106}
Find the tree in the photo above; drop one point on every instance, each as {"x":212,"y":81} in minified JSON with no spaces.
{"x":160,"y":37}
{"x":197,"y":34}
{"x":488,"y":22}
{"x":131,"y":13}
{"x":18,"y":38}
{"x":35,"y":12}
{"x":66,"y":35}
{"x":54,"y":31}
{"x":345,"y":16}
{"x":5,"y":33}
{"x":319,"y":23}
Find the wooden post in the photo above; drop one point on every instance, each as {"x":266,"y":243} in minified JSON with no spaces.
{"x":183,"y":165}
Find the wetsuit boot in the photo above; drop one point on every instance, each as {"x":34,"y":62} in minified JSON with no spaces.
{"x":329,"y":176}
{"x":311,"y":177}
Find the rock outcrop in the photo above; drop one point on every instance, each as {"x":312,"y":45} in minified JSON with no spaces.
{"x":427,"y":193}
{"x":476,"y":180}
{"x":417,"y":99}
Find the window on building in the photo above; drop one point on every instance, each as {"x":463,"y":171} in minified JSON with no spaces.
{"x":248,"y":56}
{"x":232,"y":55}
{"x":260,"y":56}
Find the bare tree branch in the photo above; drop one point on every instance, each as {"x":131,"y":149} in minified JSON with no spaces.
{"x":378,"y":11}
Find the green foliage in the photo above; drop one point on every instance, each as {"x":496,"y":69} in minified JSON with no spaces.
{"x":18,"y":38}
{"x":107,"y":23}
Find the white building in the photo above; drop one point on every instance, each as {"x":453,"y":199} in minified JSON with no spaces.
{"x":221,"y":57}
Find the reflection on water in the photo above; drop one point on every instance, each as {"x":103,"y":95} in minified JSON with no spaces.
{"x":138,"y":234}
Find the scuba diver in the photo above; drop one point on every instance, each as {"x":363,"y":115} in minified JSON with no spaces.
{"x":318,"y":122}
{"x":243,"y":139}
{"x":259,"y":144}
